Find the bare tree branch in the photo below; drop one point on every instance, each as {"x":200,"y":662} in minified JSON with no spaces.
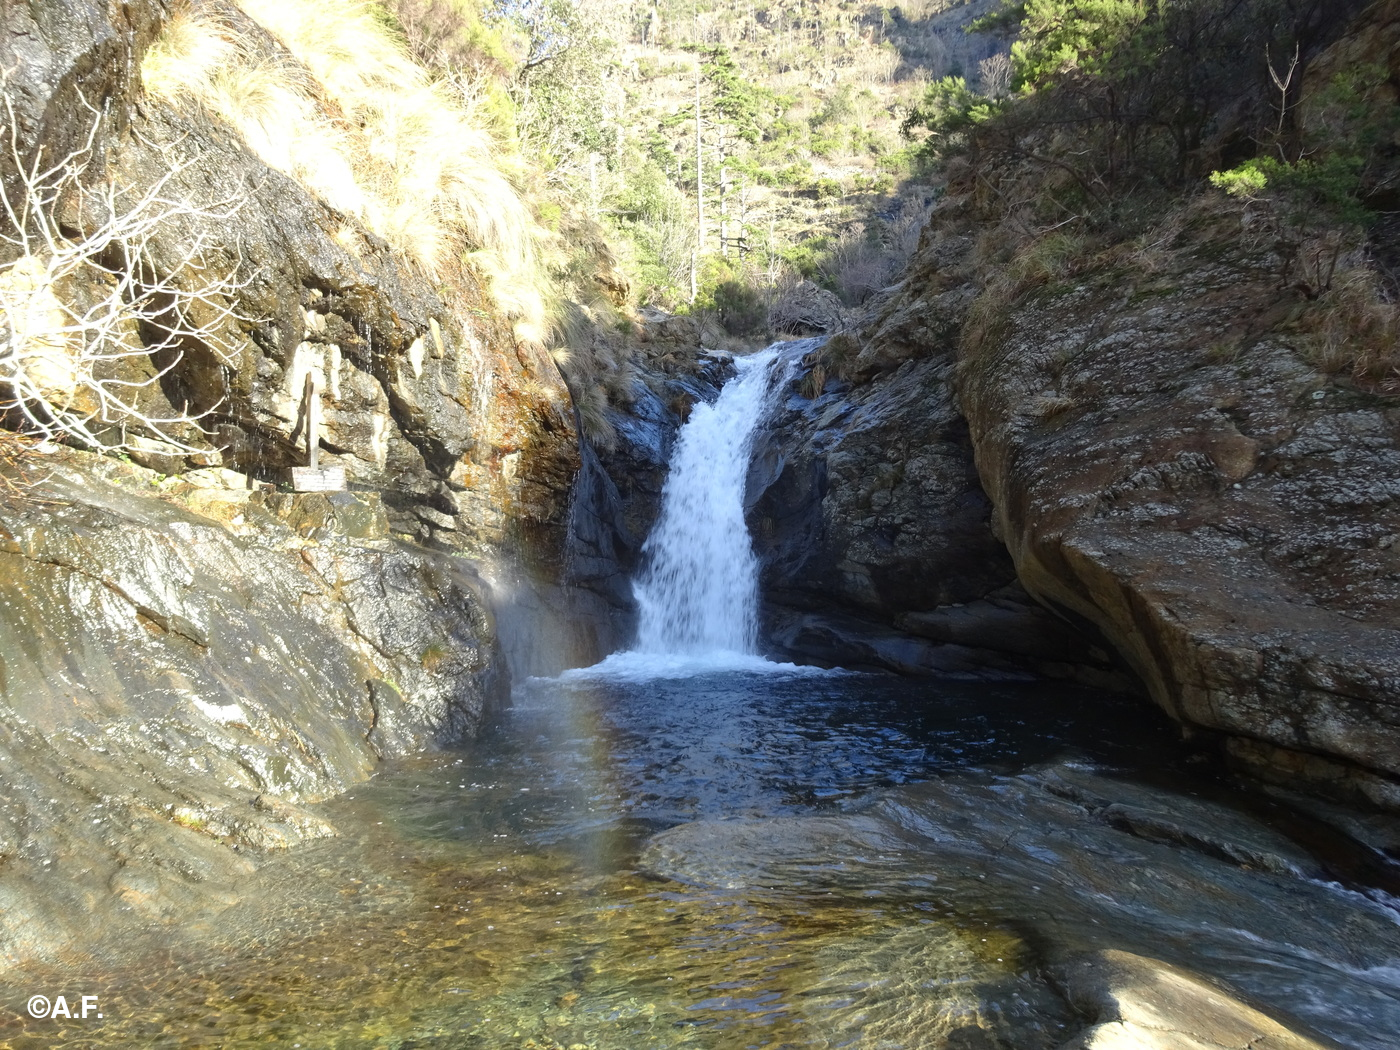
{"x":75,"y":305}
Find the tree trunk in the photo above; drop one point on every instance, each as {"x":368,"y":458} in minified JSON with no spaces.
{"x":699,"y":164}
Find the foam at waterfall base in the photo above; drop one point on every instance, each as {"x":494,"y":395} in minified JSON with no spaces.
{"x":638,"y":666}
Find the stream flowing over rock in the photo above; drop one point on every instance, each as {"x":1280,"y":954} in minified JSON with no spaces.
{"x":1132,"y":472}
{"x":617,"y":499}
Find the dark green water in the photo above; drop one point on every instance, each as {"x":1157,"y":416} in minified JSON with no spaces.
{"x":737,"y":860}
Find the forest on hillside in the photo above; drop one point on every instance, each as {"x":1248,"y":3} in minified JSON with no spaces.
{"x":731,"y":153}
{"x":726,"y":150}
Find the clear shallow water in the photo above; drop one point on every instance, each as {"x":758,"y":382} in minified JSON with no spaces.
{"x":737,"y":860}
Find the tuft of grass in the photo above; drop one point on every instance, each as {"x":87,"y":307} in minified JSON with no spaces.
{"x":433,"y":656}
{"x":592,"y":403}
{"x":347,"y":113}
{"x":834,"y":358}
{"x":1049,"y":407}
{"x":1045,"y":259}
{"x":1351,"y":328}
{"x":987,"y":316}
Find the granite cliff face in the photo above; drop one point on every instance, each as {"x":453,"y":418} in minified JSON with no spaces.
{"x":872,"y":529}
{"x":188,"y":656}
{"x":424,"y":393}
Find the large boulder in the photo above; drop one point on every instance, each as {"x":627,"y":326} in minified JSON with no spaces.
{"x":806,"y":309}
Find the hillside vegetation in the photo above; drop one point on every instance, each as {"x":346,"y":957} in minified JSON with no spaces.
{"x":763,"y":166}
{"x":797,"y":170}
{"x":1126,"y":124}
{"x":728,"y":161}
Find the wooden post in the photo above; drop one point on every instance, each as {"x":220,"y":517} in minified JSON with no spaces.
{"x":313,"y":435}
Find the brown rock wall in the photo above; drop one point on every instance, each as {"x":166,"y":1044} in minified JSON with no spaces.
{"x":1167,"y":464}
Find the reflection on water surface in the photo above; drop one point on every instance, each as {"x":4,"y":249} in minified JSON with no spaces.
{"x":512,"y":894}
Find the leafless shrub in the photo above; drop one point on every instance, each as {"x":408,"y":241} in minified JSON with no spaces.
{"x":995,"y":73}
{"x":76,"y":307}
{"x":866,"y":260}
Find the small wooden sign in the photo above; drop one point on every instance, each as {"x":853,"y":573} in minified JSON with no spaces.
{"x":318,"y":479}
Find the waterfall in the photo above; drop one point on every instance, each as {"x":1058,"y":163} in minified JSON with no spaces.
{"x":698,"y":592}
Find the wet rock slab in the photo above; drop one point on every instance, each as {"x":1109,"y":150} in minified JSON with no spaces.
{"x":1144,"y":1004}
{"x":178,"y":686}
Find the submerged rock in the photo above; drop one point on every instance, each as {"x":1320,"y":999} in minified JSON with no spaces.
{"x":1160,"y":917}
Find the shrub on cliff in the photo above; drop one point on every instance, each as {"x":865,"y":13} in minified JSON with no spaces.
{"x":89,"y":322}
{"x":1118,"y":92}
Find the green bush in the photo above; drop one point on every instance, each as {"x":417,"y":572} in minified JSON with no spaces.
{"x":734,"y":295}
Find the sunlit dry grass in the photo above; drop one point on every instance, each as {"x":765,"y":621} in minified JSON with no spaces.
{"x":348,"y":114}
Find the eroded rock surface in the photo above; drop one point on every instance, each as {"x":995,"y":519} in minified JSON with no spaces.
{"x":1168,"y":465}
{"x":1176,"y":456}
{"x":176,"y":686}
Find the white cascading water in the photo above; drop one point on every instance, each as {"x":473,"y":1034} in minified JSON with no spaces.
{"x":698,"y":593}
